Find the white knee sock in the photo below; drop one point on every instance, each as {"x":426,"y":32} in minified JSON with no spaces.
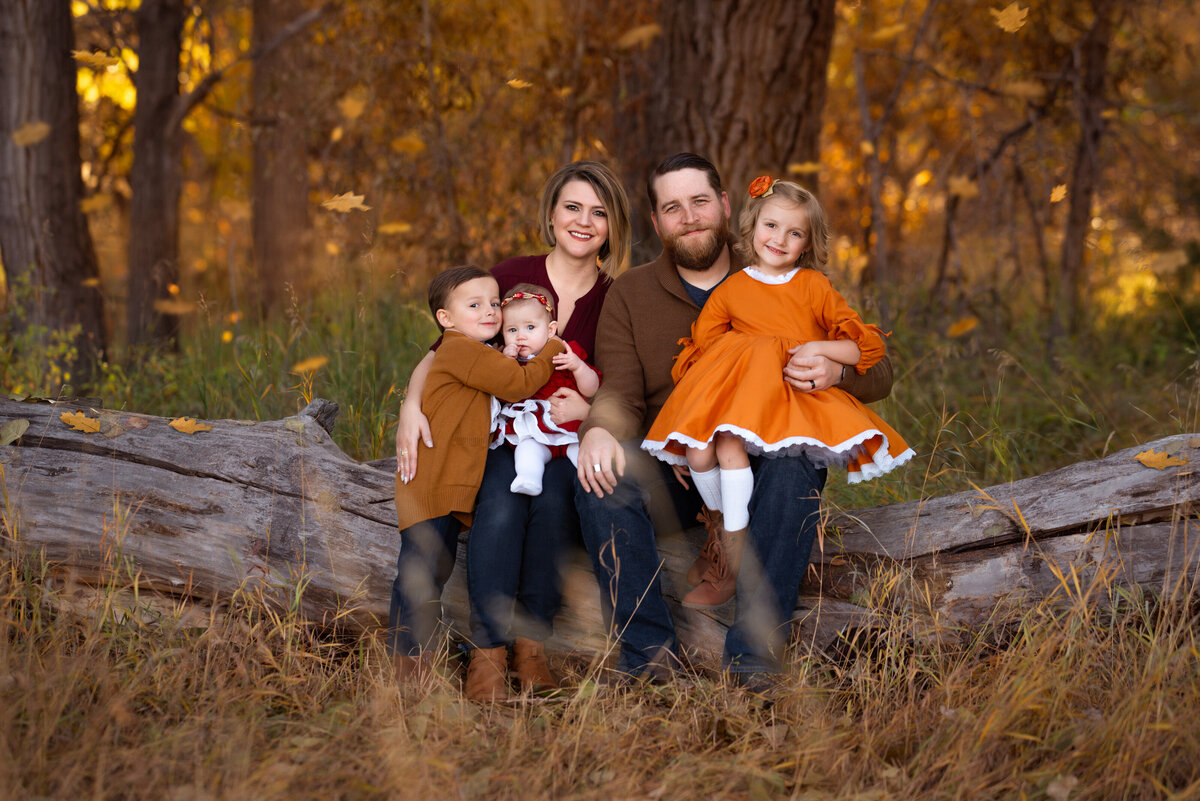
{"x":708,"y":484}
{"x":736,"y":488}
{"x":529,"y":458}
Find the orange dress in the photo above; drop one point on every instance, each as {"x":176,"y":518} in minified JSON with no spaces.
{"x":729,"y":377}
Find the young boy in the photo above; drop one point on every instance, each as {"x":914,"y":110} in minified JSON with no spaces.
{"x":438,"y":502}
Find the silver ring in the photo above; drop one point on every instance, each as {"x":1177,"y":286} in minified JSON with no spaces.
{"x":814,"y":384}
{"x":596,"y":467}
{"x":404,"y":453}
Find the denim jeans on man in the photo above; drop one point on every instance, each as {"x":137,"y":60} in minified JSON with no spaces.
{"x":619,"y":532}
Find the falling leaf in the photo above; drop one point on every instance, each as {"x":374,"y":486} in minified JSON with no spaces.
{"x":1058,"y":194}
{"x":1027,"y":90}
{"x":31,"y":133}
{"x":336,"y":134}
{"x":174,"y":306}
{"x":1060,"y":789}
{"x":866,"y":147}
{"x":1159,"y":460}
{"x":354,"y":103}
{"x":517,"y":83}
{"x":1011,"y":18}
{"x":187,"y":425}
{"x":963,"y":326}
{"x":641,"y":36}
{"x":394,"y":228}
{"x":11,"y":431}
{"x":310,"y":365}
{"x":346,"y":202}
{"x":97,"y":60}
{"x":804,"y":168}
{"x":90,"y":282}
{"x":227,"y":336}
{"x":963,"y":186}
{"x":80,"y":422}
{"x":889,"y":32}
{"x":409,"y":143}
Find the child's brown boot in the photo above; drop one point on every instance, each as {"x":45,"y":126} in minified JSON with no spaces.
{"x":712,"y":544}
{"x":720,"y":580}
{"x":487,"y":674}
{"x":529,"y":663}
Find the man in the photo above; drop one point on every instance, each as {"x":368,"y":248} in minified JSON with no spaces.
{"x":625,"y":497}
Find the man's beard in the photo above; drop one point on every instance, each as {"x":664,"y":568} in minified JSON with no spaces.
{"x":698,"y":253}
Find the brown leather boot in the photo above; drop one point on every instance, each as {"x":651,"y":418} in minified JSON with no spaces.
{"x":720,"y":580}
{"x":712,"y":544}
{"x":487,"y":674}
{"x":529,"y":663}
{"x":411,"y":670}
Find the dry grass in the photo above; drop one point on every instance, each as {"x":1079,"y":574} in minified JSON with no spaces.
{"x":120,"y":701}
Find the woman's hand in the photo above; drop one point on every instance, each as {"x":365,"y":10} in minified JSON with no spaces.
{"x":567,"y":405}
{"x":413,"y":426}
{"x":682,"y":473}
{"x":811,"y":373}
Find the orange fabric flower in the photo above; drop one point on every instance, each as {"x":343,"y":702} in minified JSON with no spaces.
{"x":761,"y":186}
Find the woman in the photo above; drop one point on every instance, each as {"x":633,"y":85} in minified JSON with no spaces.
{"x":584,"y":218}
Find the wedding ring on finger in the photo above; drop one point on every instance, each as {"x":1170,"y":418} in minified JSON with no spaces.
{"x":814,"y":384}
{"x":596,"y":468}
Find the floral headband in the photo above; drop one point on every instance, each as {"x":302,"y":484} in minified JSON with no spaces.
{"x":762,"y":186}
{"x":540,"y":298}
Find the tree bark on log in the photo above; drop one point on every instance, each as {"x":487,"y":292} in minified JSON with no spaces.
{"x":277,"y":506}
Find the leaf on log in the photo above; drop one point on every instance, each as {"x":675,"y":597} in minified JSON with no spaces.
{"x":187,"y":425}
{"x":80,"y":422}
{"x":12,"y":431}
{"x":1159,"y":460}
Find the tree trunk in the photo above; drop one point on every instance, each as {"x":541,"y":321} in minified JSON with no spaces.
{"x":277,"y":505}
{"x":280,"y":219}
{"x":741,"y":82}
{"x":155,"y":175}
{"x":44,"y":237}
{"x":1090,"y":102}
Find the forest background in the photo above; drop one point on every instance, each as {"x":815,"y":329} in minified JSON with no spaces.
{"x":223,"y":208}
{"x":265,"y":188}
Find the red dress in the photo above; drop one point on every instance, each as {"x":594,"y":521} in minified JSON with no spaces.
{"x":730,"y":378}
{"x":531,"y":417}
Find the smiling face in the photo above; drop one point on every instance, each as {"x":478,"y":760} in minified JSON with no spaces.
{"x":579,"y":220}
{"x":781,"y":236}
{"x":527,"y":325}
{"x":473,"y":309}
{"x":691,"y":219}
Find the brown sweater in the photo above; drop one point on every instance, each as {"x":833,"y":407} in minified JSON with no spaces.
{"x":646,"y":313}
{"x":457,"y":400}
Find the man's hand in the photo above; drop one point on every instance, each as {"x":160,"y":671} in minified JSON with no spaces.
{"x":567,"y":405}
{"x":412,"y":426}
{"x":811,"y":373}
{"x":601,"y":462}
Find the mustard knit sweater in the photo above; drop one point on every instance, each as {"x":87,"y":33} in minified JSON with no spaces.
{"x":457,"y":400}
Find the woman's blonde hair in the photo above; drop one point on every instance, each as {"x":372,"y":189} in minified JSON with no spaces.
{"x":614,"y":253}
{"x":817,"y":255}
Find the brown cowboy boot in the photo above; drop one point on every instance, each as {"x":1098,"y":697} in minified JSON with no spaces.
{"x":712,"y":544}
{"x":529,"y":663}
{"x":720,"y":580}
{"x":487,"y":674}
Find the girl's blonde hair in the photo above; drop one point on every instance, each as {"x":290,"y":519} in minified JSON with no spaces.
{"x":614,"y":253}
{"x":817,"y":255}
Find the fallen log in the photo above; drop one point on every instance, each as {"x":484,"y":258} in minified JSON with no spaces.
{"x":276,"y":506}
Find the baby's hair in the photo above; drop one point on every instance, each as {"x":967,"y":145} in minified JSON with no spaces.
{"x":530,"y":289}
{"x":449,"y":280}
{"x":817,"y":254}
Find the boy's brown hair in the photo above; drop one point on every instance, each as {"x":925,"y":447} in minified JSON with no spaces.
{"x":447,"y":281}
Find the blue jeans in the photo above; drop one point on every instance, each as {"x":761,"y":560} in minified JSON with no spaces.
{"x":619,"y":532}
{"x":422,"y":569}
{"x":516,"y":549}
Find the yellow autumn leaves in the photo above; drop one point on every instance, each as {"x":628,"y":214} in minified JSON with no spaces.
{"x":79,"y":421}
